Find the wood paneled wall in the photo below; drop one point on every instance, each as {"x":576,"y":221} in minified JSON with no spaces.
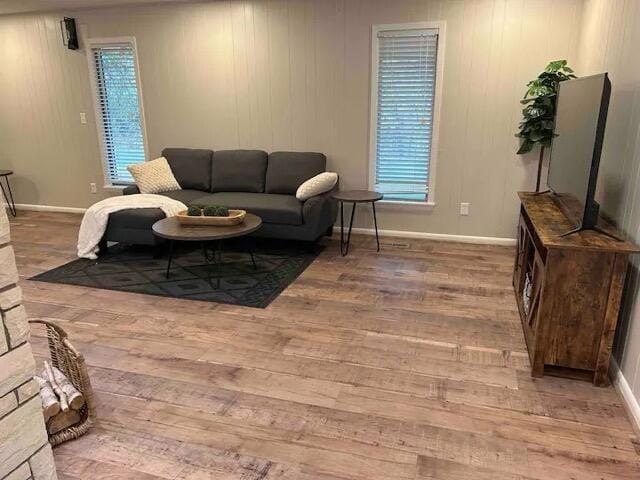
{"x":286,"y":74}
{"x":609,"y":42}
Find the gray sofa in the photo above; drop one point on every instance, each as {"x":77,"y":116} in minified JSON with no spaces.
{"x":252,"y":180}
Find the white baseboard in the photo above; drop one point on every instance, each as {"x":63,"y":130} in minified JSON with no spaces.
{"x":363,"y":231}
{"x":629,"y":399}
{"x":49,"y":208}
{"x":433,"y":236}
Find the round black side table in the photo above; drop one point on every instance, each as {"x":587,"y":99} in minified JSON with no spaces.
{"x":355,"y":197}
{"x":7,"y":194}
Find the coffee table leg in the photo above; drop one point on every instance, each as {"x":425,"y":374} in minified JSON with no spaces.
{"x":218,"y":264}
{"x":375,"y":222}
{"x":9,"y":197}
{"x":170,"y":257}
{"x":212,"y":260}
{"x":249,"y":244}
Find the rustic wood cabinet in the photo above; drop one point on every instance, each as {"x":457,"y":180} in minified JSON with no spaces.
{"x":568,"y":291}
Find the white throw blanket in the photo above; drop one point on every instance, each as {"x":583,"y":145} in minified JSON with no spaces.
{"x":96,"y":217}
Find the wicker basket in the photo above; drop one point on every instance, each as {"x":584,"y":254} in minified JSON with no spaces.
{"x":70,"y":362}
{"x":235,"y":217}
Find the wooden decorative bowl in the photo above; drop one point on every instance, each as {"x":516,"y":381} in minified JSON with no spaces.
{"x":235,"y":217}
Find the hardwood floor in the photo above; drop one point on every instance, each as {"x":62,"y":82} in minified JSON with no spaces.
{"x":404,"y":364}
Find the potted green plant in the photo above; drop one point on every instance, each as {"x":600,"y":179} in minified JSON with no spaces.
{"x":538,"y":114}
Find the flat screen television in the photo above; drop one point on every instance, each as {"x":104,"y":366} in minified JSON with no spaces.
{"x":581,"y":115}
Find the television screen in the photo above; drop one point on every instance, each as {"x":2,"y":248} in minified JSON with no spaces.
{"x":581,"y":111}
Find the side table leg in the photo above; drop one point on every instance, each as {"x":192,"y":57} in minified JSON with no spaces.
{"x":375,"y":222}
{"x":341,"y":225}
{"x":9,"y":197}
{"x":170,"y":257}
{"x":344,"y":246}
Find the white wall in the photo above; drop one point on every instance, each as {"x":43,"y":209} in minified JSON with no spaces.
{"x":284,"y":74}
{"x":610,"y":42}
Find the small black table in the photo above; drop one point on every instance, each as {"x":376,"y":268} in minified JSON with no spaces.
{"x":8,"y":195}
{"x":355,"y":197}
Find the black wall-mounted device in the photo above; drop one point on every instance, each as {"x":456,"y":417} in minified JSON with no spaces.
{"x":69,"y":33}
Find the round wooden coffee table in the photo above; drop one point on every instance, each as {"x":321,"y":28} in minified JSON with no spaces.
{"x":355,"y":197}
{"x":172,"y":230}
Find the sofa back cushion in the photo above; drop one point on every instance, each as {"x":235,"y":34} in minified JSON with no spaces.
{"x":191,"y":167}
{"x":286,"y":171}
{"x":238,"y":171}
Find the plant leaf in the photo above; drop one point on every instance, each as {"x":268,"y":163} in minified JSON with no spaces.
{"x":525,"y":147}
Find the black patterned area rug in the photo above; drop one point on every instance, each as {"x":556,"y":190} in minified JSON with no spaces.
{"x":233,"y":280}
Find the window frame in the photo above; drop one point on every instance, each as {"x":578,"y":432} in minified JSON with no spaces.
{"x":373,"y":107}
{"x":103,"y":41}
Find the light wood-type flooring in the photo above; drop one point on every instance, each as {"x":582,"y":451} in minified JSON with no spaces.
{"x":404,"y":364}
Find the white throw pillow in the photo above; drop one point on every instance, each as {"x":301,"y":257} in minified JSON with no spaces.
{"x":315,"y":186}
{"x":154,"y":176}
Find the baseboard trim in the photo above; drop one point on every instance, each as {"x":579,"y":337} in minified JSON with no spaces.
{"x":434,"y":236}
{"x":362,"y":231}
{"x":49,"y":208}
{"x":630,"y":401}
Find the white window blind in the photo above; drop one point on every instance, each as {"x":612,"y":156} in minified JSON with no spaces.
{"x":407,"y":61}
{"x":119,"y":109}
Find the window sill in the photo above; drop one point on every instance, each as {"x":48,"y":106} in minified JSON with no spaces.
{"x":114,"y":187}
{"x":400,"y":204}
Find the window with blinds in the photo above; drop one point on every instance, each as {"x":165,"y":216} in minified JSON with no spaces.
{"x":406,"y":90}
{"x":118,"y":108}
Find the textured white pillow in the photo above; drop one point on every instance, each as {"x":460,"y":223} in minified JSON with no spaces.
{"x":154,"y":176}
{"x":315,"y":186}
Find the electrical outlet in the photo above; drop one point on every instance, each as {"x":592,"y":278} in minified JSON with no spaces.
{"x":464,"y":208}
{"x":83,"y":118}
{"x":93,"y":187}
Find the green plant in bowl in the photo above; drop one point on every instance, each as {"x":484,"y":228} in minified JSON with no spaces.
{"x":223,"y":212}
{"x":215,"y":211}
{"x":210,"y":211}
{"x":194,"y":211}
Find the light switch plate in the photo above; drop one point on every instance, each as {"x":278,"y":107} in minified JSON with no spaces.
{"x":464,"y":208}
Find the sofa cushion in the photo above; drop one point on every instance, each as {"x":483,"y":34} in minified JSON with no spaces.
{"x":286,"y":171}
{"x":184,"y":196}
{"x":190,"y":166}
{"x":238,"y":171}
{"x":278,"y":209}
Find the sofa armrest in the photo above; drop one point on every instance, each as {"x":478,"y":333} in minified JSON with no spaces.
{"x":324,"y":202}
{"x":130,"y":190}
